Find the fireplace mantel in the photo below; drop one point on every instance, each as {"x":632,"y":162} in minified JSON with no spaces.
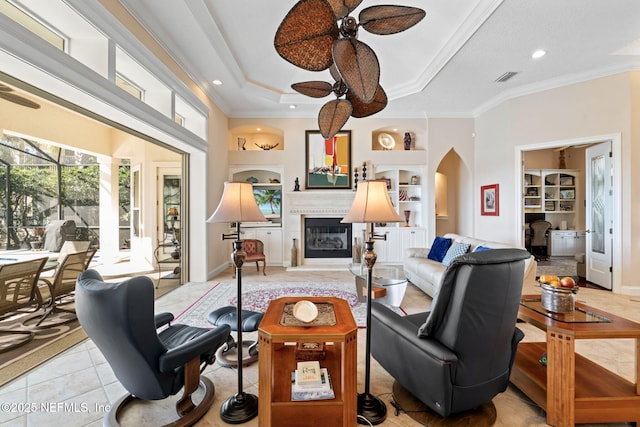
{"x":319,"y":202}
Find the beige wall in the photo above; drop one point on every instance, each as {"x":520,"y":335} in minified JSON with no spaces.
{"x":54,"y":124}
{"x":598,"y":107}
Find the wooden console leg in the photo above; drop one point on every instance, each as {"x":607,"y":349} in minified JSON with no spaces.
{"x":561,"y":379}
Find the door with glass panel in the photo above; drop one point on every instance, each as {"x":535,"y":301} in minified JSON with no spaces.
{"x":599,"y":215}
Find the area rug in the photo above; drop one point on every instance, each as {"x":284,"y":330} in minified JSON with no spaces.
{"x":484,"y":416}
{"x":256,"y":297}
{"x":558,"y":266}
{"x":47,"y":343}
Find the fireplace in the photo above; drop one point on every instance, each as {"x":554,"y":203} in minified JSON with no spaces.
{"x":326,"y":238}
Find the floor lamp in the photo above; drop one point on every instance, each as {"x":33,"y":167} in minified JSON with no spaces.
{"x":238,"y":204}
{"x":371,"y":205}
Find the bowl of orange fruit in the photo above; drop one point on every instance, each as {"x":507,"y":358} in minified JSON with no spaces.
{"x":558,"y":293}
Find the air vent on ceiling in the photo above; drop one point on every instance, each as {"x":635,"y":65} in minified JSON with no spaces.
{"x":506,"y":76}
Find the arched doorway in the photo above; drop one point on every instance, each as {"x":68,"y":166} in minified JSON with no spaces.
{"x":453,"y":197}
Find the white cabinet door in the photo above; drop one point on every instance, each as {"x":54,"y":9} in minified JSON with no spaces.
{"x":386,"y":250}
{"x":398,"y":240}
{"x":563,"y":243}
{"x":272,"y":239}
{"x":411,"y":238}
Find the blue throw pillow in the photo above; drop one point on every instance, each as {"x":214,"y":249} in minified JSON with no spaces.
{"x":481,"y":249}
{"x":455,"y":251}
{"x":439,"y":248}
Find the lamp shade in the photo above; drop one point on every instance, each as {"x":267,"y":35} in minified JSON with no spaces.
{"x":372,"y":204}
{"x":238,"y":204}
{"x":173,"y":212}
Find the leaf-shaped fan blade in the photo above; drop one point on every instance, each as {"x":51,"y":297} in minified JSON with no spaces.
{"x":361,"y":109}
{"x":332,"y":116}
{"x":314,"y":89}
{"x":306,"y":35}
{"x":341,"y":8}
{"x":358,"y":65}
{"x":5,"y":88}
{"x":19,"y":100}
{"x":389,"y":19}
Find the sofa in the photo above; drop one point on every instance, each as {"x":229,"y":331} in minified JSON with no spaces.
{"x":426,"y":273}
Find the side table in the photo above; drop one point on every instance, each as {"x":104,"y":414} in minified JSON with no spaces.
{"x":573,"y":389}
{"x":278,"y":337}
{"x":389,"y":279}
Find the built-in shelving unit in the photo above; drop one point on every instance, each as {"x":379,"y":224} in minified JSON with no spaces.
{"x":550,"y":191}
{"x":267,"y":188}
{"x":407,"y":193}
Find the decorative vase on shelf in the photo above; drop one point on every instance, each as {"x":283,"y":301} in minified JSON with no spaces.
{"x":407,"y":140}
{"x":407,"y":215}
{"x":294,"y":253}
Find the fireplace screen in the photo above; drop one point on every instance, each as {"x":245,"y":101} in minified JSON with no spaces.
{"x":326,"y":238}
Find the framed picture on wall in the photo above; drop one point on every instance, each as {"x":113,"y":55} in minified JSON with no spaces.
{"x":490,"y":200}
{"x":328,"y":162}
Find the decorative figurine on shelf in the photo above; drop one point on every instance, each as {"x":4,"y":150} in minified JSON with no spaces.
{"x":266,"y":147}
{"x":415,"y":180}
{"x":407,"y":141}
{"x":355,"y":183}
{"x":407,"y":215}
{"x":296,"y":186}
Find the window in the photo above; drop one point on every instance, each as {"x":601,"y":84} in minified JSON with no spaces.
{"x":32,"y":24}
{"x":129,"y":87}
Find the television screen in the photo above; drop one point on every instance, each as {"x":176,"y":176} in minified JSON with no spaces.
{"x":269,"y":201}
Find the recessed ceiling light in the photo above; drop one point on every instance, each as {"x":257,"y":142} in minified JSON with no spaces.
{"x":217,"y":82}
{"x":538,"y":53}
{"x":293,"y":106}
{"x":258,"y":129}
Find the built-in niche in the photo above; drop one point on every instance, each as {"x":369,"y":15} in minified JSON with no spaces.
{"x":392,"y":139}
{"x":256,"y":138}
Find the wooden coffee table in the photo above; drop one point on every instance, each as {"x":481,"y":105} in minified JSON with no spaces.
{"x":571,"y":388}
{"x":278,"y":335}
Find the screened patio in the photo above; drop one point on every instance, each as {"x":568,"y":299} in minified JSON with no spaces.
{"x":41,"y":183}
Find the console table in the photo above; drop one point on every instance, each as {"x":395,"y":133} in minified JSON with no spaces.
{"x":278,"y":335}
{"x":571,"y":388}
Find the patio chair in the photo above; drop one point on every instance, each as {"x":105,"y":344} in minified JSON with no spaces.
{"x":68,"y":247}
{"x":18,"y":291}
{"x":63,"y":285}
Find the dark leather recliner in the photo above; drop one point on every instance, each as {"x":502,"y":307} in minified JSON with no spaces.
{"x":459,"y":355}
{"x":119,"y":318}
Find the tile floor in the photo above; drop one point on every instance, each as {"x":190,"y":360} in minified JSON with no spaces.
{"x":76,"y":387}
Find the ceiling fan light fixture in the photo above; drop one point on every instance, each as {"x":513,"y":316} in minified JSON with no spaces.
{"x":309,"y":38}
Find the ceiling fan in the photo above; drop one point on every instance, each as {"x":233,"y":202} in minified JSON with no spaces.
{"x":310,"y":38}
{"x":6,"y":93}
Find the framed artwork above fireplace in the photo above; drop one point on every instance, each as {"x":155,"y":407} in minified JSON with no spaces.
{"x":328,"y":162}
